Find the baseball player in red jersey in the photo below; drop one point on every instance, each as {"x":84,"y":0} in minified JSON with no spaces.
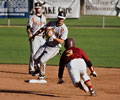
{"x":75,"y":60}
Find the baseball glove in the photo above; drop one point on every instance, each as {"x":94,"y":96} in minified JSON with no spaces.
{"x":94,"y":74}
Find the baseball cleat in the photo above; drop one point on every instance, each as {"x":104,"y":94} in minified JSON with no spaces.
{"x":31,"y":72}
{"x":41,"y":77}
{"x":35,"y":72}
{"x":92,"y":92}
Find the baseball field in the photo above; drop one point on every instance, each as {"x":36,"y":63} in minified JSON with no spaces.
{"x":14,"y":87}
{"x":102,"y":45}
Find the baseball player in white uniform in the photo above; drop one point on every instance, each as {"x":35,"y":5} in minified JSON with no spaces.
{"x":56,"y":32}
{"x":118,"y":8}
{"x":36,"y":21}
{"x":76,"y":60}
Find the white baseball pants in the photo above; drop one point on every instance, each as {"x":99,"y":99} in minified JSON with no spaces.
{"x":77,"y":70}
{"x":34,"y":46}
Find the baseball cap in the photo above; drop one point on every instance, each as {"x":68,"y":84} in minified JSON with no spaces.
{"x":38,"y":5}
{"x":61,"y":14}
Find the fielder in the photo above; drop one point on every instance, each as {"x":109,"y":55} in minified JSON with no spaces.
{"x":36,"y":21}
{"x":118,"y":8}
{"x":56,"y":32}
{"x":75,"y":60}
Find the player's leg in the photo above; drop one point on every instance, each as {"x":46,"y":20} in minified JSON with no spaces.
{"x":49,"y":53}
{"x":37,"y":57}
{"x":34,"y":46}
{"x":39,"y":42}
{"x":31,"y":62}
{"x":39,"y":54}
{"x":74,"y":72}
{"x":42,"y":72}
{"x":89,"y":84}
{"x":86,"y":78}
{"x":73,"y":69}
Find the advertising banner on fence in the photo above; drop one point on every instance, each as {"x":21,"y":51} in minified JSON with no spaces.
{"x":71,"y":7}
{"x":100,"y":7}
{"x":14,"y":8}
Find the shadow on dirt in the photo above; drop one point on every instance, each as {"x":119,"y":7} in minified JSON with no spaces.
{"x":12,"y":72}
{"x":28,"y":92}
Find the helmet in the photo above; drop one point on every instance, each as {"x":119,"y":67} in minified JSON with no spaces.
{"x":61,"y":14}
{"x":69,"y":42}
{"x":38,"y":5}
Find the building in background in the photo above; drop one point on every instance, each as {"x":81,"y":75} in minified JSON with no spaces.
{"x":14,"y":8}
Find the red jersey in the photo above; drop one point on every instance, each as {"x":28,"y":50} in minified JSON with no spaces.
{"x":72,"y":53}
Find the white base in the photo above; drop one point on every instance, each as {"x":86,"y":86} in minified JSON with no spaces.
{"x":37,"y":81}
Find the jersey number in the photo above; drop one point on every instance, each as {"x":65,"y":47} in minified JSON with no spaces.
{"x":69,"y":53}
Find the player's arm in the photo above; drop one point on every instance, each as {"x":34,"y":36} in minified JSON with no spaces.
{"x":36,"y":33}
{"x":89,"y":64}
{"x":63,"y":37}
{"x":44,"y":28}
{"x":61,"y":69}
{"x":29,"y":26}
{"x":51,"y":33}
{"x":61,"y":41}
{"x":39,"y":31}
{"x":29,"y":31}
{"x":64,"y":34}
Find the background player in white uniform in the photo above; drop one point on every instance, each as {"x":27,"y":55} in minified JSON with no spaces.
{"x":75,"y":60}
{"x":57,"y":32}
{"x":36,"y":21}
{"x":118,"y":8}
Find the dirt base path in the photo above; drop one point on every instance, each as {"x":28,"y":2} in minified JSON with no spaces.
{"x":14,"y":87}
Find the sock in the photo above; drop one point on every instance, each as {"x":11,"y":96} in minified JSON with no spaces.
{"x":90,"y":87}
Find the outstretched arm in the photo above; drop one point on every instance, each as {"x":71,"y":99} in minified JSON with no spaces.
{"x":89,"y":64}
{"x":93,"y":73}
{"x":61,"y":69}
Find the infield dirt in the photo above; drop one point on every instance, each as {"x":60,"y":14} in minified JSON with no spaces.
{"x":14,"y":87}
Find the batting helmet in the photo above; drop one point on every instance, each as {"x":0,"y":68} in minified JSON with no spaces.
{"x":61,"y":14}
{"x":69,"y":42}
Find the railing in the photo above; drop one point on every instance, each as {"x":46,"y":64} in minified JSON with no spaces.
{"x":83,"y":21}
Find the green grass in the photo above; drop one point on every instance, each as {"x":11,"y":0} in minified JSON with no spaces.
{"x":14,"y":47}
{"x":101,"y":45}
